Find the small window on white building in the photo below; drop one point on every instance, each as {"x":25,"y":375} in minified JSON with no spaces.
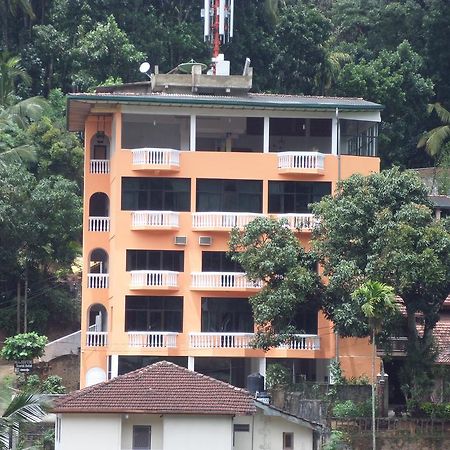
{"x":288,"y":441}
{"x":142,"y":437}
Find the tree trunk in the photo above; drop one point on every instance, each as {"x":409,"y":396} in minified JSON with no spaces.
{"x":4,"y":15}
{"x":374,"y":380}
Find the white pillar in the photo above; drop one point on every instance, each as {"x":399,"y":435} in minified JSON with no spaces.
{"x":114,"y":366}
{"x":334,"y":135}
{"x":193,"y":133}
{"x":262,"y":367}
{"x":266,"y":138}
{"x":191,"y":363}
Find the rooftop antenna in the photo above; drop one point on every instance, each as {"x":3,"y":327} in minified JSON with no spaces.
{"x":218,"y":18}
{"x":144,"y":68}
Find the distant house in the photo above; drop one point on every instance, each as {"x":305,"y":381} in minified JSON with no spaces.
{"x":167,"y":407}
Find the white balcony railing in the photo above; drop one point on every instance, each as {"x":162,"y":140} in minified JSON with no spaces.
{"x":220,"y":340}
{"x":299,"y":221}
{"x":227,"y":280}
{"x":221,"y":220}
{"x":96,"y":338}
{"x":156,"y":157}
{"x":155,"y":219}
{"x":303,"y":342}
{"x":98,"y":280}
{"x":158,"y":339}
{"x":99,"y":166}
{"x":98,"y":223}
{"x":301,"y":160}
{"x":243,"y":340}
{"x":141,"y":279}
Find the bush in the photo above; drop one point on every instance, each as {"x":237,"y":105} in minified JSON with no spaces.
{"x":338,"y":441}
{"x":351,"y":409}
{"x":277,"y":375}
{"x":435,"y":410}
{"x":24,"y":346}
{"x":51,"y":385}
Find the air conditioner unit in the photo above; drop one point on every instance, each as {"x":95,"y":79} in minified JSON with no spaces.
{"x":180,"y":240}
{"x":205,"y":240}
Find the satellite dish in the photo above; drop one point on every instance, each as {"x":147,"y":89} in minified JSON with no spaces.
{"x":144,"y":67}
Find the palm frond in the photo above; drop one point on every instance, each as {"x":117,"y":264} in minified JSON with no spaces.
{"x":436,"y":139}
{"x":442,"y":113}
{"x":22,"y":153}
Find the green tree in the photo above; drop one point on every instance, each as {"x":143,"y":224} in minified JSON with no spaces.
{"x":381,"y":227}
{"x":11,"y":71}
{"x":269,"y":251}
{"x":393,"y":79}
{"x":23,"y":408}
{"x":9,"y":8}
{"x":24,"y":346}
{"x":435,"y":139}
{"x":103,"y":52}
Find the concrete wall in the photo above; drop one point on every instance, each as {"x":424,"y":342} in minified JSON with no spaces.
{"x":155,"y":421}
{"x":198,"y":433}
{"x":89,"y":431}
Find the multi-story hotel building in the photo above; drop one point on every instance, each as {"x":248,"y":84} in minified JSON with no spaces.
{"x":171,"y":165}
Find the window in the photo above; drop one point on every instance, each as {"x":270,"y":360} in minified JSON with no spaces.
{"x":219,"y":262}
{"x":156,"y":194}
{"x":142,"y":437}
{"x":229,"y":195}
{"x":287,"y":127}
{"x":155,"y":260}
{"x":241,"y":427}
{"x":320,"y":128}
{"x":144,"y":313}
{"x":294,"y":196}
{"x":288,"y":441}
{"x":226,"y":315}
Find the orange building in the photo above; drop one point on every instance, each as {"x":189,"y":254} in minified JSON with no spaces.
{"x":171,"y":165}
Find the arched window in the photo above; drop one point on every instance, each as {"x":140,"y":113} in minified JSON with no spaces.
{"x":97,"y":318}
{"x":99,"y":205}
{"x":100,"y":146}
{"x":98,"y":261}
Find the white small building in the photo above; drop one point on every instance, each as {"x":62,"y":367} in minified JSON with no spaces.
{"x":168,"y":407}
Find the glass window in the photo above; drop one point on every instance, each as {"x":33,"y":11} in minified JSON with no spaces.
{"x":156,"y":194}
{"x":287,"y":197}
{"x":224,"y":315}
{"x":219,"y":262}
{"x":288,"y":441}
{"x":145,"y":313}
{"x":287,"y":127}
{"x":155,"y":260}
{"x":320,"y":127}
{"x":229,"y":195}
{"x":141,"y":437}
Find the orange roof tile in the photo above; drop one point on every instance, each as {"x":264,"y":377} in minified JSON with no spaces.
{"x":161,"y":388}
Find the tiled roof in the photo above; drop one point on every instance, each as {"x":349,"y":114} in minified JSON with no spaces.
{"x":441,"y":334}
{"x":162,"y":388}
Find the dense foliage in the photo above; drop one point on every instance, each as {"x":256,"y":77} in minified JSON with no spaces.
{"x":25,"y":346}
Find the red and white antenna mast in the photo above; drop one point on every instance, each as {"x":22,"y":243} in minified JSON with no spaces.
{"x":218,"y":24}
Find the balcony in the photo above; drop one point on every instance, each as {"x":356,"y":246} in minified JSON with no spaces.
{"x":243,"y":340}
{"x":96,"y":338}
{"x":399,"y":347}
{"x":301,"y":163}
{"x":299,"y":222}
{"x":153,"y":339}
{"x":234,"y":281}
{"x":98,"y":280}
{"x":99,"y":166}
{"x":154,"y":279}
{"x":221,"y":221}
{"x":155,"y":220}
{"x":165,"y":159}
{"x":220,"y":340}
{"x":100,"y":224}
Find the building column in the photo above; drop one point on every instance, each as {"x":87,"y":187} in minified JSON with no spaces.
{"x":262,"y":367}
{"x":193,"y":133}
{"x":266,"y":136}
{"x":335,"y":135}
{"x":191,"y":363}
{"x":114,"y":366}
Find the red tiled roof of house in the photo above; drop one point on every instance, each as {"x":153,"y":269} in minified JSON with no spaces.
{"x":441,"y":335}
{"x":161,"y":388}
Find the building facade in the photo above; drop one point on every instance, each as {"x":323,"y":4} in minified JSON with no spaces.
{"x":170,"y":167}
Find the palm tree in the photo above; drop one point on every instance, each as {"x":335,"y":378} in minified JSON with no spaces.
{"x":379,"y":305}
{"x":11,"y":71}
{"x":23,"y":408}
{"x":10,"y":7}
{"x":434,"y":140}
